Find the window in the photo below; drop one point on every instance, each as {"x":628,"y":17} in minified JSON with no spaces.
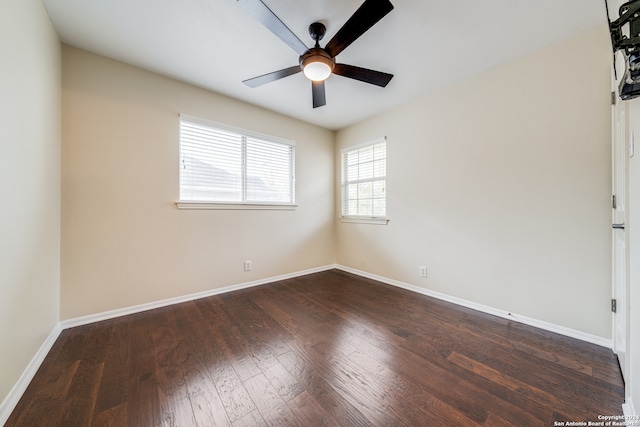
{"x":220,"y":165}
{"x":364,"y":184}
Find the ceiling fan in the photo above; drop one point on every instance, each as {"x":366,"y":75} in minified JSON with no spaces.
{"x":318,"y":63}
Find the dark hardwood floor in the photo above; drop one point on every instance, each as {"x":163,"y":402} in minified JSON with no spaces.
{"x":327,"y":349}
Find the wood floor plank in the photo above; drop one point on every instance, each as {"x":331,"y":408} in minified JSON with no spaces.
{"x":31,"y":413}
{"x":173,"y":397}
{"x":253,"y":336}
{"x":567,"y":352}
{"x":216,"y":392}
{"x":113,"y":387}
{"x":142,"y":397}
{"x":496,"y":421}
{"x":252,"y":419}
{"x":325,"y":349}
{"x":566,"y":385}
{"x":334,"y":404}
{"x":257,"y":327}
{"x":503,"y":380}
{"x":113,"y":417}
{"x":233,"y":343}
{"x":411,"y":400}
{"x":273,"y":409}
{"x":473,"y":394}
{"x":362,"y":392}
{"x":560,"y":359}
{"x":285,"y":385}
{"x":79,"y":404}
{"x":205,"y":401}
{"x":180,"y":383}
{"x":297,"y":320}
{"x":309,"y":412}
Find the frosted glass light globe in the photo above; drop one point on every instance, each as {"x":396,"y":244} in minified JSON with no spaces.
{"x":317,"y":71}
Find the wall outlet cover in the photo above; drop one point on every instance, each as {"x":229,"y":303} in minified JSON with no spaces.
{"x":423,"y":271}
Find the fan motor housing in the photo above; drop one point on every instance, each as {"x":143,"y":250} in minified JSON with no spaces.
{"x":317,"y":54}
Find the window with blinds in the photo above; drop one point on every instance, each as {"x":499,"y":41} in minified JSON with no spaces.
{"x":229,"y":166}
{"x":364,"y":180}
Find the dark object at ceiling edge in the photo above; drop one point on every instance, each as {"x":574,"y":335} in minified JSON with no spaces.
{"x":629,"y":87}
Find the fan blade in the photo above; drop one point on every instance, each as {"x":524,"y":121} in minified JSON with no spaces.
{"x":272,"y":77}
{"x":317,"y":91}
{"x":262,"y":13}
{"x":377,"y":78}
{"x":367,"y":15}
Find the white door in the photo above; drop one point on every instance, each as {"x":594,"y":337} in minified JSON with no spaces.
{"x":619,"y":219}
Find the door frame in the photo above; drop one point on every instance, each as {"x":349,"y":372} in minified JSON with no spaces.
{"x":620,"y":270}
{"x":619,"y":241}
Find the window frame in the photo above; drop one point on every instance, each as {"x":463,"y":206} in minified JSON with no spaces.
{"x":244,"y":204}
{"x":365,"y":219}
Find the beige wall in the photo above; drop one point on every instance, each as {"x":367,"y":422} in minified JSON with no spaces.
{"x":124,"y":242}
{"x":29,"y":185}
{"x":500,"y":185}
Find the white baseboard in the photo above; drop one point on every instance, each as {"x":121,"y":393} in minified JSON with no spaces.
{"x":91,"y":318}
{"x":594,"y":339}
{"x":9,"y":403}
{"x":629,"y":411}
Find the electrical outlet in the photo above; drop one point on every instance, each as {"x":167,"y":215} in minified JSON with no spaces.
{"x":423,"y":271}
{"x":247,"y":265}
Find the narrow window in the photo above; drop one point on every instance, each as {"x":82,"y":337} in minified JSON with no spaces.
{"x":364,"y":180}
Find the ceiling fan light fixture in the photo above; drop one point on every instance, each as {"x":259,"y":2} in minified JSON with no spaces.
{"x":317,"y":71}
{"x":317,"y":65}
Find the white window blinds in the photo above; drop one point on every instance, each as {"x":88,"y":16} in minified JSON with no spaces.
{"x":219,"y":165}
{"x":364,"y":184}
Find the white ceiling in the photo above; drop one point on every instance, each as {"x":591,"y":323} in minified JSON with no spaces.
{"x":215,"y":44}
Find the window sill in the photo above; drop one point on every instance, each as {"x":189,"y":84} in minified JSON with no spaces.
{"x":361,"y":220}
{"x":235,"y":206}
